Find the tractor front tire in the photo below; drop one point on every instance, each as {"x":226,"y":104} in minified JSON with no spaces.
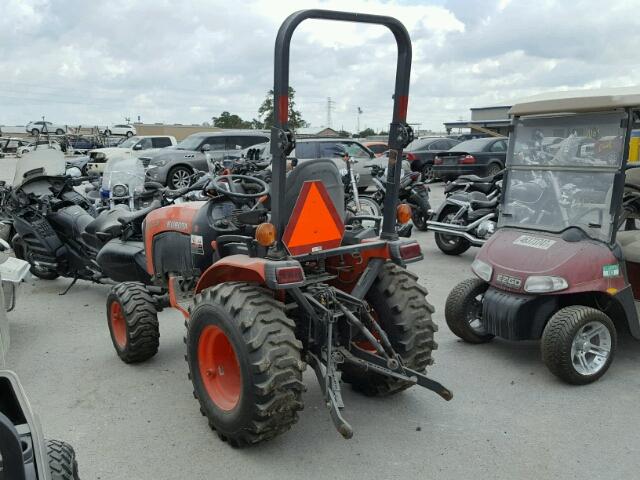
{"x":244,"y":362}
{"x":62,"y":460}
{"x":133,"y":322}
{"x":400,"y":307}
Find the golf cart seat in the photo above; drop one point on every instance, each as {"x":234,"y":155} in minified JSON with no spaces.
{"x":321,"y":169}
{"x":632,"y":177}
{"x":630,"y":244}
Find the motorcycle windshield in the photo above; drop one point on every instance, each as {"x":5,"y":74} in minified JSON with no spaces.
{"x":42,"y":162}
{"x":124,"y":175}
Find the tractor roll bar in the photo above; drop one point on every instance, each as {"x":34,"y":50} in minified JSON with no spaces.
{"x":282,"y":139}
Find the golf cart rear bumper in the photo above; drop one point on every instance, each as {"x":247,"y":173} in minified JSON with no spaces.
{"x":516,"y":317}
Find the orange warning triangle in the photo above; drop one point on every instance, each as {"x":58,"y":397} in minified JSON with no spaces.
{"x":315,"y":223}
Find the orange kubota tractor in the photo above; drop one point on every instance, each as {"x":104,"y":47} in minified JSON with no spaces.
{"x":267,"y":291}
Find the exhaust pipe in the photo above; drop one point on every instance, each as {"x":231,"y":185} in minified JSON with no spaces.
{"x":461,"y":230}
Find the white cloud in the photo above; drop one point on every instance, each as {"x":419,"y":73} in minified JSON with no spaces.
{"x":186,"y":61}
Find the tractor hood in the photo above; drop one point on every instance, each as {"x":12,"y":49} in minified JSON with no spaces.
{"x":516,"y":255}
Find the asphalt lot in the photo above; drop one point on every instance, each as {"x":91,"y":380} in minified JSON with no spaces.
{"x":509,"y":419}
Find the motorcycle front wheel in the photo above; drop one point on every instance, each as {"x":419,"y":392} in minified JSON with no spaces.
{"x":367,"y":206}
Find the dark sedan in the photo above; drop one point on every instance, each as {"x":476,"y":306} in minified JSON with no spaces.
{"x":480,"y":156}
{"x":421,"y":152}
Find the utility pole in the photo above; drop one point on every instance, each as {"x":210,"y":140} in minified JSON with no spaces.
{"x":359,"y":110}
{"x":330,"y":104}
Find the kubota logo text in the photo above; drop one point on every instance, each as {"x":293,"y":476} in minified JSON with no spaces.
{"x":177,"y":225}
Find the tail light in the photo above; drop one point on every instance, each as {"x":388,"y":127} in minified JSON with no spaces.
{"x":410,"y":250}
{"x":437,"y":161}
{"x":467,"y":160}
{"x":411,"y":157}
{"x":287,"y":275}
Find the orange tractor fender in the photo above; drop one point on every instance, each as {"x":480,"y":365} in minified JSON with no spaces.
{"x":242,"y":268}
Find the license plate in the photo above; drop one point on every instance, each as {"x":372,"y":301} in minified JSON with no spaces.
{"x":534,"y":242}
{"x":450,"y":161}
{"x":508,"y":281}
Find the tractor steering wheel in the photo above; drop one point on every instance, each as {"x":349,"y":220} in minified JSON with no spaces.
{"x":224,"y":184}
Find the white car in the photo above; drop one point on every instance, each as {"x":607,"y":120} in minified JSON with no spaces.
{"x":36,"y":128}
{"x":128,"y":130}
{"x":37,"y":144}
{"x":132,"y":146}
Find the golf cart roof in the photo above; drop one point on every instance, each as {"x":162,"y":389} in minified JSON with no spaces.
{"x":578,"y":101}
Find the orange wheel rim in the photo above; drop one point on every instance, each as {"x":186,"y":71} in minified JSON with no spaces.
{"x":118,"y":324}
{"x":219,"y":368}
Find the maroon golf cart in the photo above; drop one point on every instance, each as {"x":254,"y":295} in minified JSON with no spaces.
{"x":558,"y":269}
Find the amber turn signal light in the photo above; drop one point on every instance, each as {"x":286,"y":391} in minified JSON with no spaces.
{"x":403,"y":213}
{"x":266,"y":234}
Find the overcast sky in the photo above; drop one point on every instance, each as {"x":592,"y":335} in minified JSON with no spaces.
{"x":86,"y":62}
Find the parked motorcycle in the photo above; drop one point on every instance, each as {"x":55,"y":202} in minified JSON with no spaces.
{"x":468,"y":215}
{"x":356,"y":203}
{"x":55,"y":230}
{"x":413,"y":191}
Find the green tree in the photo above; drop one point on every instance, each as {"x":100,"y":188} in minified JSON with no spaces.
{"x":382,"y":132}
{"x":266,"y":114}
{"x":344,"y":134}
{"x":228,"y":120}
{"x":367,"y":132}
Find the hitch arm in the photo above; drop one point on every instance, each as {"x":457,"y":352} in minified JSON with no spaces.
{"x":327,"y":385}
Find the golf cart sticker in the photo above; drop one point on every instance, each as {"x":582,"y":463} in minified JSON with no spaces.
{"x":197,"y":245}
{"x":534,"y":242}
{"x":612,"y":270}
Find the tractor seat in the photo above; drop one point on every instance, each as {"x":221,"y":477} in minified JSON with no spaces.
{"x":321,"y":169}
{"x":629,"y":242}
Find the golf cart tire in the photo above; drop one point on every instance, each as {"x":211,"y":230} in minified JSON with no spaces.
{"x":457,"y":308}
{"x":140,"y":322}
{"x":459,"y":247}
{"x":62,"y":460}
{"x":266,"y":396}
{"x":557,"y":339}
{"x":401,"y":307}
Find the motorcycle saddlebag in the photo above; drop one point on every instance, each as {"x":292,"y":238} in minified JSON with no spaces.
{"x":124,"y":261}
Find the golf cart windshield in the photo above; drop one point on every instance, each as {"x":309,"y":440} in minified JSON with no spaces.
{"x":561,"y":172}
{"x":42,"y":162}
{"x":123,"y":176}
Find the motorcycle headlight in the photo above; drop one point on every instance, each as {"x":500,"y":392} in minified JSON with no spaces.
{"x":119,"y":190}
{"x":544,"y":284}
{"x":482,"y":270}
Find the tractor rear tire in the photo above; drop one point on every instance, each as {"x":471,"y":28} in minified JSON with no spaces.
{"x":133,"y":322}
{"x":401,"y":308}
{"x":244,"y":362}
{"x":62,"y":460}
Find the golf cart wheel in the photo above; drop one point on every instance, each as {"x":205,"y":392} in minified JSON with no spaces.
{"x":133,"y":322}
{"x":107,"y":132}
{"x":450,"y":244}
{"x":62,"y":460}
{"x":463,"y":311}
{"x":578,"y":344}
{"x":244,"y":363}
{"x":35,"y":132}
{"x":59,"y":132}
{"x":179,"y":177}
{"x":399,"y":305}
